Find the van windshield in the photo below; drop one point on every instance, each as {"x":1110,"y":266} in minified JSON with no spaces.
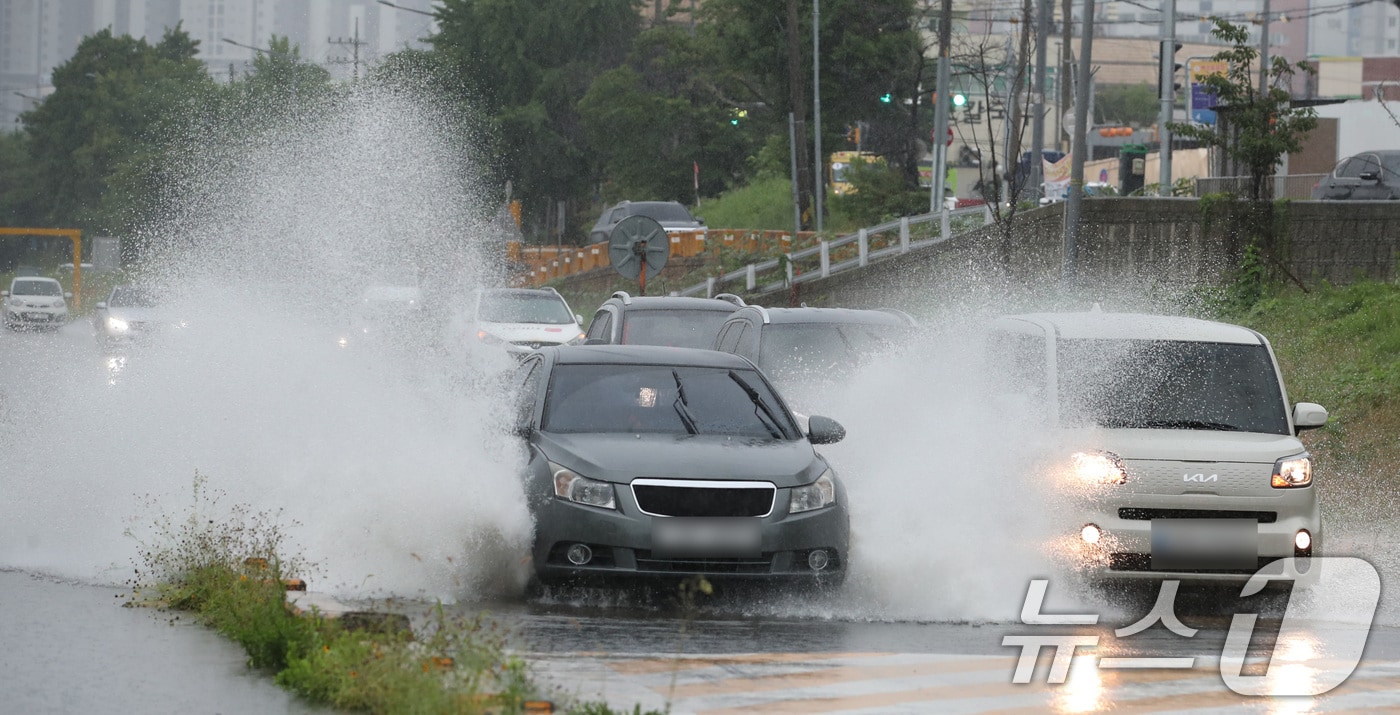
{"x":1152,"y":384}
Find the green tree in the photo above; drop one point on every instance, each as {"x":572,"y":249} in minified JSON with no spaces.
{"x":1255,"y":128}
{"x":655,"y":119}
{"x":109,"y":99}
{"x":529,"y":63}
{"x":1133,"y":105}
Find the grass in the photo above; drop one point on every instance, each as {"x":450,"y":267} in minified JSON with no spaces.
{"x":226,"y":567}
{"x":1339,"y":346}
{"x":764,"y":204}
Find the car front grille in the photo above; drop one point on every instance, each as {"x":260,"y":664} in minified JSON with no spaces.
{"x":763,"y":564}
{"x":1141,"y":514}
{"x":681,"y":497}
{"x":536,"y":344}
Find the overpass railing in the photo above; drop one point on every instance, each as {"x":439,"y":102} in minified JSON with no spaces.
{"x":856,"y":250}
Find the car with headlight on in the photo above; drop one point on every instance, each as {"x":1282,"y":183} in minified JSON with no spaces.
{"x":131,"y":313}
{"x":519,"y":320}
{"x":1178,"y":453}
{"x":35,"y":302}
{"x":660,"y":462}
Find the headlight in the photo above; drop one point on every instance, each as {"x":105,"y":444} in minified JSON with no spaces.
{"x":577,"y":340}
{"x":815,"y":495}
{"x":117,"y":325}
{"x":583,"y":490}
{"x":488,"y":338}
{"x":59,"y":304}
{"x":1292,"y":472}
{"x":1098,"y":468}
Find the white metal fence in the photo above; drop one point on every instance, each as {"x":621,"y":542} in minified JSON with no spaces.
{"x":856,"y":250}
{"x":1291,"y":186}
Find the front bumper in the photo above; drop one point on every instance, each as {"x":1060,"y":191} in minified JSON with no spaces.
{"x":35,"y":317}
{"x":1124,"y":550}
{"x":621,"y":543}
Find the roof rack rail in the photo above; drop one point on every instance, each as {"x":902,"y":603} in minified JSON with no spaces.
{"x":905,"y":316}
{"x":623,"y":296}
{"x":762,"y":311}
{"x":552,"y":289}
{"x":731,"y":298}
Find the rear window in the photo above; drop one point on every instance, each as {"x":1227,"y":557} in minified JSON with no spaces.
{"x":523,"y":308}
{"x":830,"y":349}
{"x":673,"y":328}
{"x":132,"y":298}
{"x":1153,"y":384}
{"x":664,"y":399}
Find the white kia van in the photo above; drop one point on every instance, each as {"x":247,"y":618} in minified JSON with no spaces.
{"x":1180,"y":451}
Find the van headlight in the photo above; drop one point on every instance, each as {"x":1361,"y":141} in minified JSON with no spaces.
{"x":813,"y":496}
{"x":1098,"y":468}
{"x":582,"y":490}
{"x":117,"y":325}
{"x":1290,"y":472}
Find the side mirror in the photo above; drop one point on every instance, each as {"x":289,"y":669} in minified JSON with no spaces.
{"x":578,"y":318}
{"x":68,"y":295}
{"x":1370,"y":176}
{"x":102,"y":306}
{"x":824,"y":430}
{"x":699,"y":220}
{"x":1308,"y":415}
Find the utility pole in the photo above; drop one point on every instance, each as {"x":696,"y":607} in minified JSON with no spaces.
{"x":818,"y":168}
{"x":1081,"y":135}
{"x":1264,"y":53}
{"x":354,"y":45}
{"x":1042,"y":31}
{"x":1167,"y":73}
{"x":792,"y":155}
{"x":797,"y":99}
{"x":940,"y":109}
{"x":1066,"y":70}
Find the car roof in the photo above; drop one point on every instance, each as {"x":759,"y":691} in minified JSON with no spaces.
{"x":673,"y":302}
{"x":35,"y":278}
{"x":1138,"y":326}
{"x":521,"y":291}
{"x":832,"y":315}
{"x":646,"y":355}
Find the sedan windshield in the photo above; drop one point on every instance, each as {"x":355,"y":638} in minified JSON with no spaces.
{"x":673,"y":328}
{"x":36,"y":288}
{"x":523,"y":308}
{"x":831,"y":349}
{"x":664,"y":399}
{"x":1169,"y":385}
{"x":128,"y":297}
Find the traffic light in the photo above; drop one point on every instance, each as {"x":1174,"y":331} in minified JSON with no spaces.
{"x":736,"y":114}
{"x":887,"y":97}
{"x":1175,"y":70}
{"x":959,"y":99}
{"x":853,"y":134}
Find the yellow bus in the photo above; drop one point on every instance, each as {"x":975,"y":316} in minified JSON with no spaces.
{"x":840,"y":171}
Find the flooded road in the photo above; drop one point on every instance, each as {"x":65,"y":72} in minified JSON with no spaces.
{"x":72,"y":648}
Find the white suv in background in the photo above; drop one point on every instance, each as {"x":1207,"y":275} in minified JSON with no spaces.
{"x":523,"y":319}
{"x":34,"y":302}
{"x":1181,"y":457}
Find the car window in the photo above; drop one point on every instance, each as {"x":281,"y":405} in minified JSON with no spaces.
{"x":543,"y":308}
{"x":664,"y":399}
{"x":529,"y":386}
{"x":1366,"y":163}
{"x":663,"y":212}
{"x":1342,"y":168}
{"x":728,"y":337}
{"x":830,"y":350}
{"x":674,"y":328}
{"x":617,"y":215}
{"x":127,"y":297}
{"x":23,"y":287}
{"x":1152,"y":384}
{"x":1352,"y":168}
{"x":1391,"y":162}
{"x":601,"y":327}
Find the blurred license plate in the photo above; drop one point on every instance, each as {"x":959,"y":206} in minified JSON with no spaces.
{"x":1205,"y":544}
{"x":705,"y":537}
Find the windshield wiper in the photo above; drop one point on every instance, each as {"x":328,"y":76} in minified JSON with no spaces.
{"x":1177,"y":424}
{"x":681,"y":403}
{"x":771,"y":423}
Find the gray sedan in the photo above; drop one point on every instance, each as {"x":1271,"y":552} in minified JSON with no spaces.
{"x":664,"y":462}
{"x":1368,"y":176}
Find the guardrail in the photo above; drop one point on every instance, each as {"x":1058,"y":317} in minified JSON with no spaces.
{"x":852,"y":251}
{"x":546,"y":263}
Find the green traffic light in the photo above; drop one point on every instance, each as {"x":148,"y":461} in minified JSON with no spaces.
{"x":959,"y":100}
{"x":887,"y":98}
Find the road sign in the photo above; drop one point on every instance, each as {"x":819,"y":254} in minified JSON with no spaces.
{"x":1202,"y":99}
{"x":638,"y":245}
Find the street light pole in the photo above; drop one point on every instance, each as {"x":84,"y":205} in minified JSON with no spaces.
{"x":940,"y":108}
{"x":1080,"y":146}
{"x":1167,"y":75}
{"x":819,"y":166}
{"x":1042,"y":31}
{"x":1264,"y":52}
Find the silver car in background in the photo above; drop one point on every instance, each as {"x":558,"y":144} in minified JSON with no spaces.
{"x":131,"y":313}
{"x":35,"y":302}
